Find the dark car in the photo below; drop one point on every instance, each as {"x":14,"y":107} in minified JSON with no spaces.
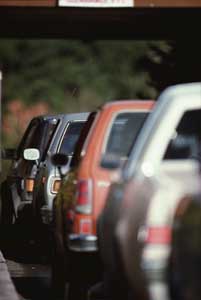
{"x":17,"y":188}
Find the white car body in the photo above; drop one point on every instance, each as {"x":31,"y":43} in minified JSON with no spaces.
{"x":156,"y":186}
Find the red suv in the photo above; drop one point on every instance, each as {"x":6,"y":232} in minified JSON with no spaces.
{"x":83,"y":194}
{"x":115,"y":128}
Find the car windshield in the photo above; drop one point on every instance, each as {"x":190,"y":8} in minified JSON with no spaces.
{"x":70,"y":137}
{"x":125,"y":127}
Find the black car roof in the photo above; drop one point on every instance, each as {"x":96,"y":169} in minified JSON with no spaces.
{"x":70,"y":116}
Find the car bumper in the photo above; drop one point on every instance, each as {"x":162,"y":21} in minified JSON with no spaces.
{"x":82,"y":243}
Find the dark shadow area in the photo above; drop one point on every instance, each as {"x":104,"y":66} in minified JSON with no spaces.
{"x":16,"y":242}
{"x":27,"y":263}
{"x":33,"y":288}
{"x":95,"y":23}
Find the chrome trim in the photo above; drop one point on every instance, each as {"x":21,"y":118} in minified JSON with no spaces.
{"x":82,"y":243}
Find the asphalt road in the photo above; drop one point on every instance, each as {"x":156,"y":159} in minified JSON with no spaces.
{"x":27,"y":264}
{"x":32,"y":281}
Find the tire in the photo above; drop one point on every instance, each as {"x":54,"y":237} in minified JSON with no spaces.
{"x":7,"y":210}
{"x":185,"y":259}
{"x":85,"y":270}
{"x":58,"y":275}
{"x":97,"y":292}
{"x":77,"y":290}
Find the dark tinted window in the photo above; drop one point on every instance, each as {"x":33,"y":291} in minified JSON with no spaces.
{"x":70,"y":138}
{"x":49,"y":133}
{"x":38,"y":135}
{"x":123,"y":133}
{"x":83,"y":135}
{"x":28,"y":137}
{"x":186,"y":143}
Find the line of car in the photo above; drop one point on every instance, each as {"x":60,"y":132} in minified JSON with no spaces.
{"x":112,"y":186}
{"x":163,"y":168}
{"x":32,"y":182}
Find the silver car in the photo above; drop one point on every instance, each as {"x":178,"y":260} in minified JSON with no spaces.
{"x":48,"y":179}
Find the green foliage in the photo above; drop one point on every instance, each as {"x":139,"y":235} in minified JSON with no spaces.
{"x":73,"y":75}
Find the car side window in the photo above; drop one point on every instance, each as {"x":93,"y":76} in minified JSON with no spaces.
{"x":50,"y":129}
{"x":38,"y":135}
{"x":70,"y":137}
{"x":186,"y":141}
{"x":28,"y":136}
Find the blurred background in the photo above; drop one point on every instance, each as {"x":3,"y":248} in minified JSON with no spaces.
{"x":60,"y":76}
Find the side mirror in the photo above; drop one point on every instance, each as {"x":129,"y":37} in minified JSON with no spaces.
{"x":111,"y":162}
{"x":9,"y":154}
{"x":31,"y":154}
{"x":59,"y":160}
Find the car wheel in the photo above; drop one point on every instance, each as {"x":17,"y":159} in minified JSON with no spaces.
{"x":85,"y":270}
{"x":7,"y":210}
{"x":185,"y":259}
{"x":58,"y":275}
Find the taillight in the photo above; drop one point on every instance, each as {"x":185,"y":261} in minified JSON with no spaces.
{"x":56,"y":186}
{"x":160,"y":235}
{"x":83,"y":197}
{"x":29,"y":184}
{"x":85,"y":226}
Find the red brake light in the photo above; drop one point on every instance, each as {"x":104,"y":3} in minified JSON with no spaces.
{"x":85,"y":226}
{"x":83,"y":199}
{"x":158,"y":235}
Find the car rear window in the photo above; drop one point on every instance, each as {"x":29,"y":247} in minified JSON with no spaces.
{"x":50,"y":129}
{"x":70,"y":137}
{"x":123,"y":133}
{"x":82,"y":138}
